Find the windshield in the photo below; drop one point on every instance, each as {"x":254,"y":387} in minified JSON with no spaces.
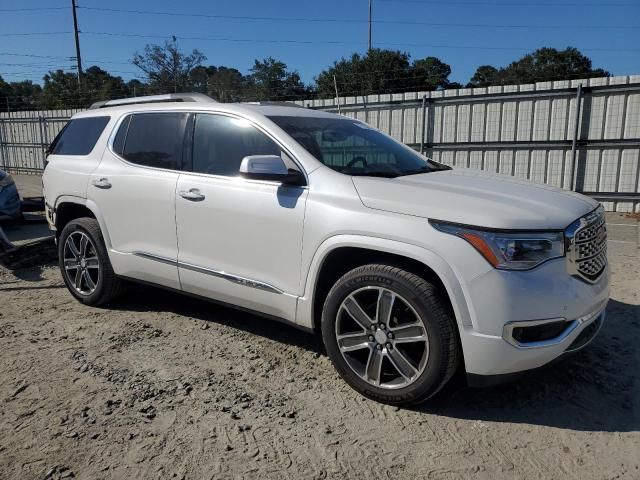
{"x":352,"y":147}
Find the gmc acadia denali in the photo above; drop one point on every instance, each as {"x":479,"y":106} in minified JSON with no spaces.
{"x":408,"y":269}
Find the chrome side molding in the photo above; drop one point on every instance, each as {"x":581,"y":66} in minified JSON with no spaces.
{"x":247,"y":282}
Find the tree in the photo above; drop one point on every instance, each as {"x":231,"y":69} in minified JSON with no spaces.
{"x":97,"y":84}
{"x":379,"y":71}
{"x":136,"y":88}
{"x":222,"y":83}
{"x":167,"y":68}
{"x":5,"y":94}
{"x":24,"y":95}
{"x":430,"y":73}
{"x":545,"y":64}
{"x":382,"y":71}
{"x":485,"y":75}
{"x":270,"y":80}
{"x":227,"y":85}
{"x":61,"y":88}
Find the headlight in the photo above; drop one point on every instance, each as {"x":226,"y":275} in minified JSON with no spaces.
{"x":510,"y":251}
{"x":6,"y":181}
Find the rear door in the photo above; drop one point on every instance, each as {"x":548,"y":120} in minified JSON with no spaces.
{"x":134,"y":188}
{"x":239,"y":240}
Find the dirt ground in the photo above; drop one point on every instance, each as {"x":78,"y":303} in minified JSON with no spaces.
{"x":161,"y":386}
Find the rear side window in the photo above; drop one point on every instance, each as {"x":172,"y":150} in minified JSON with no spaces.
{"x":152,"y":139}
{"x":79,"y":136}
{"x":220,"y":143}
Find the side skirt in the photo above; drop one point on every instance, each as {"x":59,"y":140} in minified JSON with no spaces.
{"x":224,"y":304}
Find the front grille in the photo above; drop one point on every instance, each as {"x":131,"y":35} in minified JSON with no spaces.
{"x":587,"y":245}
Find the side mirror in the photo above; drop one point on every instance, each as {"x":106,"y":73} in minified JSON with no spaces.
{"x":270,"y":167}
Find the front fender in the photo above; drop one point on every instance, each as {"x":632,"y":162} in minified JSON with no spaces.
{"x":304,"y":313}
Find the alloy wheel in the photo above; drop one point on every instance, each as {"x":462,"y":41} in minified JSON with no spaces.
{"x":81,"y":265}
{"x":381,"y":337}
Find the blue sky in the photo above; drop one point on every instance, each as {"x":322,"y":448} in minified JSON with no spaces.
{"x":495,"y":32}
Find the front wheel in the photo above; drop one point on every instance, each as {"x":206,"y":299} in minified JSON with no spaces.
{"x":84,"y":263}
{"x":389,"y":334}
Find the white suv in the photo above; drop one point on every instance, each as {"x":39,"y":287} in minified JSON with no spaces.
{"x":408,"y":269}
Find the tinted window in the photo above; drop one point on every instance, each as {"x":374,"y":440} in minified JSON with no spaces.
{"x":118,"y":142}
{"x":155,"y":139}
{"x":354,"y":148}
{"x":79,"y":136}
{"x":220,"y":143}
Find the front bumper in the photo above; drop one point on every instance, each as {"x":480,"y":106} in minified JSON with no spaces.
{"x":502,"y":301}
{"x":588,"y":333}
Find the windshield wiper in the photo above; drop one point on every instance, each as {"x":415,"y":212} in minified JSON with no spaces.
{"x":435,"y":167}
{"x":416,"y":171}
{"x":375,"y":174}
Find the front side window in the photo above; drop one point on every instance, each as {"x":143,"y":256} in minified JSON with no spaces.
{"x":352,"y":147}
{"x":79,"y":136}
{"x":152,"y":139}
{"x":220,"y":143}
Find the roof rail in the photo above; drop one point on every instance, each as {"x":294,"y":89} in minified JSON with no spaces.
{"x":170,"y":97}
{"x":275,"y":104}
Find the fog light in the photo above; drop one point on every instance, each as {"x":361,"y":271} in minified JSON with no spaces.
{"x":539,"y":333}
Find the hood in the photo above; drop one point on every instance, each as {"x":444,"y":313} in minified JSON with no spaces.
{"x":476,"y":198}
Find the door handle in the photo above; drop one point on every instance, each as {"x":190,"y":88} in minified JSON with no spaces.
{"x":194,"y":195}
{"x":102,"y":183}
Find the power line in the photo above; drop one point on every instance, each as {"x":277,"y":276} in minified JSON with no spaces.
{"x":37,"y":64}
{"x":32,"y":33}
{"x":58,"y":57}
{"x":33,"y":55}
{"x":340,"y":20}
{"x":34,"y":9}
{"x":335,"y":42}
{"x":513,"y":4}
{"x":225,"y":17}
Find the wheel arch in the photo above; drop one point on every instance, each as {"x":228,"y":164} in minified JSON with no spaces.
{"x":340,"y":254}
{"x":69,"y":208}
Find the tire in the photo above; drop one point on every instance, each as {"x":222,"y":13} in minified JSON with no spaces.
{"x":418,"y":321}
{"x":98,"y":284}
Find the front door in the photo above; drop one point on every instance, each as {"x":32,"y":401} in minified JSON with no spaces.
{"x":239,"y":241}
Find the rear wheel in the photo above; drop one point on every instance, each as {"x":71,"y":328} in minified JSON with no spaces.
{"x":389,"y":334}
{"x":84,"y":263}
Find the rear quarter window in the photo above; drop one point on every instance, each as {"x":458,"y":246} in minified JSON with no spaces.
{"x":152,"y":139}
{"x":79,"y":136}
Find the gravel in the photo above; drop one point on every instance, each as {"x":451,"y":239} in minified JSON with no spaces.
{"x":164,"y":386}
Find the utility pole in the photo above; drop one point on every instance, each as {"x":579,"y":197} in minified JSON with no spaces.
{"x":370,"y":20}
{"x":75,"y":30}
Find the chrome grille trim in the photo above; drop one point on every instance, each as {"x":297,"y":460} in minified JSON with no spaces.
{"x":586,"y":246}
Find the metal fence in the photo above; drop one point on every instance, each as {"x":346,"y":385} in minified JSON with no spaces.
{"x":24,"y":137}
{"x":582,"y":135}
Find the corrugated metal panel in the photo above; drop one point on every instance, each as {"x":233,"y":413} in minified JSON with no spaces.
{"x":522,"y":130}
